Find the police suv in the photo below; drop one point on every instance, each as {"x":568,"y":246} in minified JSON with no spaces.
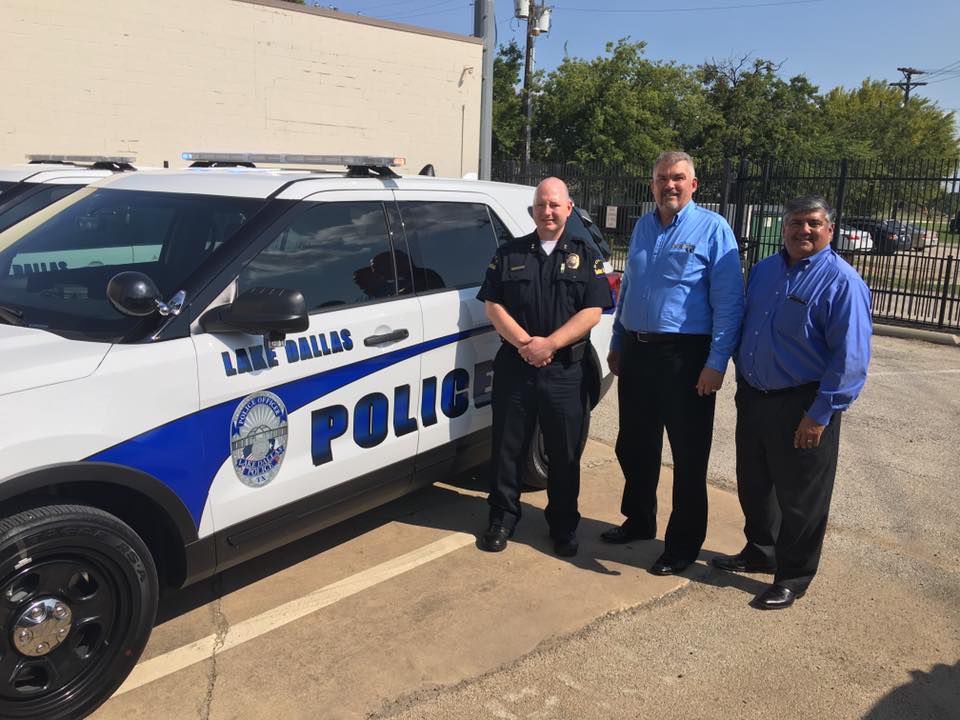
{"x":201,"y":365}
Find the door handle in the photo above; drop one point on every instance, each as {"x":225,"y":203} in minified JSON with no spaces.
{"x":401,"y":334}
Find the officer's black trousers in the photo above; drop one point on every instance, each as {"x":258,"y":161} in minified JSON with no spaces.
{"x":657,"y":389}
{"x":784,"y":491}
{"x":555,"y":395}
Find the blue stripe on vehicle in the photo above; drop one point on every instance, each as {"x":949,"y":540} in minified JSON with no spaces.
{"x":176,"y":452}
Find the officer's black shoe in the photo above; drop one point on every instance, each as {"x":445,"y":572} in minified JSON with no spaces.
{"x":495,"y":538}
{"x":668,"y":565}
{"x":566,"y":546}
{"x":776,"y":597}
{"x":738,"y":563}
{"x":624,"y":534}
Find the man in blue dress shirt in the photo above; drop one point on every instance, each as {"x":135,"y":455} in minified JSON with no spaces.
{"x":802,"y":360}
{"x":676,"y":326}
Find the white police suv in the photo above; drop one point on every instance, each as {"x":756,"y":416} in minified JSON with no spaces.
{"x":201,"y":365}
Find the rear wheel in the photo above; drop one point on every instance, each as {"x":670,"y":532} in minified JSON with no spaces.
{"x":78,"y":598}
{"x":538,"y":467}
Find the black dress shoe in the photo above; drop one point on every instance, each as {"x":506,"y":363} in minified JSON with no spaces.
{"x":775,"y":597}
{"x":669,"y":565}
{"x":738,"y":563}
{"x":495,"y":538}
{"x":624,"y":534}
{"x":566,"y":546}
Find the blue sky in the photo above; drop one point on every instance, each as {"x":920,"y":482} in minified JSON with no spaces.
{"x":832,"y":42}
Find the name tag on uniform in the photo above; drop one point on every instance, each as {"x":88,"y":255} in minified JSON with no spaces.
{"x":518,"y":267}
{"x":686,"y":247}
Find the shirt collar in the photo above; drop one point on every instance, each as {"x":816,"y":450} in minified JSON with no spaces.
{"x":678,"y":218}
{"x":814,"y":259}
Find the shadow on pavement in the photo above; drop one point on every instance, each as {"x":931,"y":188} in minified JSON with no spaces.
{"x":933,"y":695}
{"x":445,"y":509}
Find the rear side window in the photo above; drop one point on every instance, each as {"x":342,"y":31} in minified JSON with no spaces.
{"x":450,"y":243}
{"x":335,"y":253}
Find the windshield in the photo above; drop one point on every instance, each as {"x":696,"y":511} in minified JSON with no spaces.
{"x":34,"y":198}
{"x":55,"y":266}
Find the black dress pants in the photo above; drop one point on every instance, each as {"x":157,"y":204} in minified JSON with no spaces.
{"x":556,"y":395}
{"x":657,"y":389}
{"x":784,"y":491}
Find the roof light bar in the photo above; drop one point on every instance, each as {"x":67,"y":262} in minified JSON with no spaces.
{"x":118,"y":159}
{"x":283,"y":159}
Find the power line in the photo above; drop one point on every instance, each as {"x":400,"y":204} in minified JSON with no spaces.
{"x":459,"y":5}
{"x":692,"y":9}
{"x":907,"y":85}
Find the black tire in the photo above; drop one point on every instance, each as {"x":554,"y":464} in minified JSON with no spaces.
{"x":98,"y":568}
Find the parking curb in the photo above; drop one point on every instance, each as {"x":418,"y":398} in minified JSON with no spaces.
{"x":906,"y":333}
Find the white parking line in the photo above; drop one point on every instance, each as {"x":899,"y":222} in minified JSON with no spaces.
{"x":170,"y":662}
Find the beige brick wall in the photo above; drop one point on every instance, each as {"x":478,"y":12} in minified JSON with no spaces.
{"x":153,"y":78}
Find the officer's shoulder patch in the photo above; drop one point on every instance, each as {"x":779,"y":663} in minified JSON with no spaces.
{"x":494,"y":262}
{"x":598,"y":267}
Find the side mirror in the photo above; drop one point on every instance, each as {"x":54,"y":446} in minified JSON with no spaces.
{"x":271,"y":312}
{"x":133,"y":293}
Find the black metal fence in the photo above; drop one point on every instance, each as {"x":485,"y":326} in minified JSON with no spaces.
{"x":898,"y":224}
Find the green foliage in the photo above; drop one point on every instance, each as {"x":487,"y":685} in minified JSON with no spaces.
{"x":507,"y":103}
{"x":623,"y":108}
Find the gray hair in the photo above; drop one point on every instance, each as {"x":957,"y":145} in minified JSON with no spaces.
{"x":672,"y":157}
{"x":805,"y":204}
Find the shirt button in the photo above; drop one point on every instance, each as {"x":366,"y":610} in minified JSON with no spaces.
{"x":749,"y":374}
{"x":756,"y":332}
{"x":767,"y":312}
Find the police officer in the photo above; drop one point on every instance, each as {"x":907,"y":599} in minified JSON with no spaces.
{"x":543,"y":294}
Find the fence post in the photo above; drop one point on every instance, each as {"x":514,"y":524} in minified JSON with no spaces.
{"x":946,"y":291}
{"x":838,"y":206}
{"x":741,"y":200}
{"x":725,"y":188}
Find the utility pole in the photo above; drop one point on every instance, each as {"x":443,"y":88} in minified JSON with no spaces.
{"x":485,"y":26}
{"x":908,"y":74}
{"x":538,"y":21}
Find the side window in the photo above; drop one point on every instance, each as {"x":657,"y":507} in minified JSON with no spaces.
{"x":503,"y":234}
{"x":335,"y":253}
{"x":47,"y":196}
{"x":450,"y":243}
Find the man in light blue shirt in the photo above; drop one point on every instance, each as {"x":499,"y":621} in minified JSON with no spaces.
{"x":676,"y":326}
{"x":801,"y":362}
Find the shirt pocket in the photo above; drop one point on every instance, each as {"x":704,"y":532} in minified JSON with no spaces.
{"x":791,"y":318}
{"x":516,"y":285}
{"x":573,"y":288}
{"x":675,"y":265}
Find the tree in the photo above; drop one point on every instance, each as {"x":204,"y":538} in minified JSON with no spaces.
{"x":873,"y":122}
{"x":618,"y":107}
{"x":508,"y":117}
{"x":755,"y":113}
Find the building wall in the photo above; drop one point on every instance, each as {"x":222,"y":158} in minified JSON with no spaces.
{"x":153,"y":78}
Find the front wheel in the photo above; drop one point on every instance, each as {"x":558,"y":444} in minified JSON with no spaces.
{"x":78,"y":598}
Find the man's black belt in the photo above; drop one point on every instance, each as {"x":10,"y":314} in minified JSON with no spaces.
{"x":649,"y":337}
{"x":783,"y":391}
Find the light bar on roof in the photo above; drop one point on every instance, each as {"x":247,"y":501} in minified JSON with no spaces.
{"x":119,"y":159}
{"x":283,"y":159}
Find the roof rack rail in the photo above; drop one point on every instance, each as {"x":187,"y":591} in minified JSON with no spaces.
{"x":357,"y":165}
{"x":114,"y":163}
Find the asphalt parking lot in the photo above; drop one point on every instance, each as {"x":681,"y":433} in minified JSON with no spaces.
{"x":397,"y":614}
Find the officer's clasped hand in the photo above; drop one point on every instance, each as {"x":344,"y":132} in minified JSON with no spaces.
{"x":538,"y":351}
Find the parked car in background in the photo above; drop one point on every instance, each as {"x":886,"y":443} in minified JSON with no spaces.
{"x":853,"y":240}
{"x":889,"y":236}
{"x":921,"y":237}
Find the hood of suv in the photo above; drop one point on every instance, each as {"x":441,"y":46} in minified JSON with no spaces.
{"x":32,"y":358}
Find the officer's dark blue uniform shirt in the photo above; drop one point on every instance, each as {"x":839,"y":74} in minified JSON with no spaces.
{"x":541,"y":292}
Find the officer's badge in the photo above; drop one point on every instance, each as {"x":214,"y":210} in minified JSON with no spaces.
{"x":598,"y":267}
{"x":258,"y":438}
{"x":573,"y":261}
